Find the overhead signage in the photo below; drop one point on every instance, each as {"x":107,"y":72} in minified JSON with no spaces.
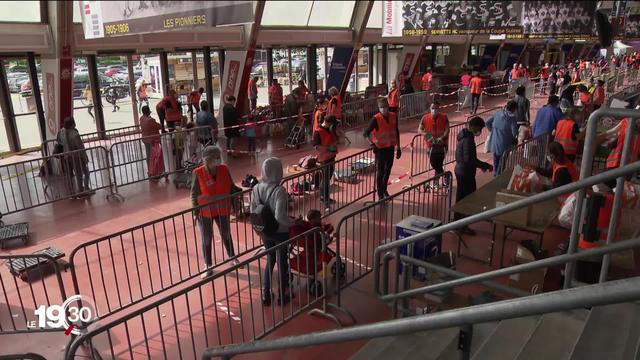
{"x":117,"y":18}
{"x":511,"y":19}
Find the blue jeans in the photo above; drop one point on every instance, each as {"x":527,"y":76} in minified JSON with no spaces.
{"x":496,"y":164}
{"x":206,"y":233}
{"x":282,"y":257}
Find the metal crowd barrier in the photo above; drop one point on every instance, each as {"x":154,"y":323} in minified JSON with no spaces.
{"x":532,"y":152}
{"x":361,"y":231}
{"x":100,"y":138}
{"x":420,"y":153}
{"x":31,"y":183}
{"x":358,"y":113}
{"x":121,"y":269}
{"x":222,"y":309}
{"x":413,"y":105}
{"x":19,"y":300}
{"x":304,"y":188}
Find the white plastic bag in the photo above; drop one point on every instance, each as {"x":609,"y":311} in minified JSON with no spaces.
{"x":487,"y":149}
{"x":567,"y":212}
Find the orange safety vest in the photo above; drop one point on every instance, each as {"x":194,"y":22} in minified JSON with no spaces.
{"x":386,"y":135}
{"x":604,"y":217}
{"x":598,"y":95}
{"x":515,"y":74}
{"x":615,"y":156}
{"x":435,"y":128}
{"x":585,"y":98}
{"x":214,"y":186}
{"x":564,"y":128}
{"x":393,"y":98}
{"x":328,"y":145}
{"x":317,"y":119}
{"x":573,"y":172}
{"x":426,"y":81}
{"x":335,"y":109}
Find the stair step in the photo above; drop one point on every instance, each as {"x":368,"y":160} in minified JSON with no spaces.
{"x":481,"y":333}
{"x":611,"y":332}
{"x":554,"y":336}
{"x":507,"y":339}
{"x":425,"y":345}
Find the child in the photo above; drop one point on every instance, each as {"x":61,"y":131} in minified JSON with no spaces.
{"x":250,"y":133}
{"x":310,"y":247}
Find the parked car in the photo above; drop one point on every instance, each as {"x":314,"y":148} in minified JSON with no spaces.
{"x":15,"y":79}
{"x":26,"y":86}
{"x":80,"y":81}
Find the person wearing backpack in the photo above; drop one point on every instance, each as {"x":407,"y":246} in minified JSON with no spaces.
{"x":270,"y":219}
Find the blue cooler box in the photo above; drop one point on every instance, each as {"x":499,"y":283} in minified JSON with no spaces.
{"x":424,"y":249}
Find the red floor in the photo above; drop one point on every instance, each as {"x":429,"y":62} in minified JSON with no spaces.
{"x":67,"y":224}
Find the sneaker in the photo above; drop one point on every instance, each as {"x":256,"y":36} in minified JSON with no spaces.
{"x":206,"y":274}
{"x":386,"y":194}
{"x":266,"y":299}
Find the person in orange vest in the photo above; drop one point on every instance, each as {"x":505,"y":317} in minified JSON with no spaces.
{"x":586,"y":99}
{"x":544,"y":78}
{"x":210,"y":190}
{"x":194,"y":101}
{"x":384,"y":135}
{"x":620,"y":131}
{"x":319,"y":112}
{"x":515,"y":73}
{"x":276,"y":98}
{"x":335,"y":103}
{"x":426,"y":80}
{"x":567,"y":133}
{"x":435,"y":128}
{"x":169,"y":102}
{"x":394,"y":102}
{"x":598,"y":95}
{"x":475,"y":86}
{"x":594,"y":234}
{"x":562,"y":170}
{"x":325,"y":142}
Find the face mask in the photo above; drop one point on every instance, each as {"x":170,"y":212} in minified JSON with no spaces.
{"x":549,"y":158}
{"x":384,"y":111}
{"x":216,"y":162}
{"x":434,"y":112}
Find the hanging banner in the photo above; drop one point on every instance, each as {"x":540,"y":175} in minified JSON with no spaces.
{"x":459,"y":17}
{"x":559,"y":19}
{"x":117,"y":18}
{"x":511,"y":19}
{"x":339,"y":66}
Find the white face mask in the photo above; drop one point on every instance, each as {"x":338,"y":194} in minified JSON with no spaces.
{"x":215,"y":162}
{"x":549,"y":158}
{"x":434,"y":112}
{"x":384,"y":111}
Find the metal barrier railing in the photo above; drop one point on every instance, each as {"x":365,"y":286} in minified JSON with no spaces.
{"x":100,"y":138}
{"x":361,"y":231}
{"x":18,"y":301}
{"x":225,"y":308}
{"x":353,"y":177}
{"x":529,"y":152}
{"x":420,"y":153}
{"x":31,"y":183}
{"x":358,"y":113}
{"x":413,"y":105}
{"x":124,"y":268}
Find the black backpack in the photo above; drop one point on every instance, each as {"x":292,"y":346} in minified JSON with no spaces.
{"x":262,"y":218}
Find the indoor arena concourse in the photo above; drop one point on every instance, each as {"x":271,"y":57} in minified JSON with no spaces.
{"x":323,"y":180}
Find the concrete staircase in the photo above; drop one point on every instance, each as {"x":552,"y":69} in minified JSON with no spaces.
{"x":608,"y":332}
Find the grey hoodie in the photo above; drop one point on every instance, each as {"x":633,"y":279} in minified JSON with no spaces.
{"x":278,"y":201}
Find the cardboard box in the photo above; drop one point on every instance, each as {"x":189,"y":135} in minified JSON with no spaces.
{"x":530,"y":281}
{"x":518,"y":217}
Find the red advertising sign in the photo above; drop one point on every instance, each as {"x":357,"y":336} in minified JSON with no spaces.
{"x":66,"y":89}
{"x":230,"y":85}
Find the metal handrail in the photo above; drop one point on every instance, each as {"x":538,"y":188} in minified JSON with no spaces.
{"x":489,"y":214}
{"x":612,"y":292}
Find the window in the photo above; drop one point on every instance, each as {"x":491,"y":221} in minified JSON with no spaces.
{"x":375,"y":18}
{"x":216,"y":76}
{"x":259,"y":70}
{"x":23,"y":101}
{"x":83,"y":110}
{"x":298,"y":66}
{"x":4,"y":140}
{"x":281,"y":68}
{"x":113,"y":76}
{"x":308,"y":13}
{"x":20,"y":11}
